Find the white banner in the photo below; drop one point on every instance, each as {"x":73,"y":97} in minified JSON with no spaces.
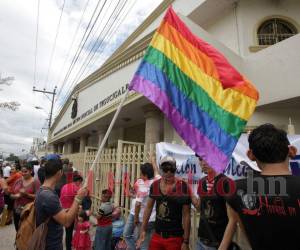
{"x":188,"y":165}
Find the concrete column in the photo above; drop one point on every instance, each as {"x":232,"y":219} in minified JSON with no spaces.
{"x":70,"y":146}
{"x":101,"y":133}
{"x":83,"y":142}
{"x":60,"y":148}
{"x":55,"y":148}
{"x":153,"y":124}
{"x":50,"y":148}
{"x":66,"y":148}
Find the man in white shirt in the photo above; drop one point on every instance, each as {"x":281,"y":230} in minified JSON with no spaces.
{"x":143,"y":186}
{"x":36,"y":167}
{"x":6,"y":170}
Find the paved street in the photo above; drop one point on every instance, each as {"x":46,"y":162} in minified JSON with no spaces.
{"x":7,"y":236}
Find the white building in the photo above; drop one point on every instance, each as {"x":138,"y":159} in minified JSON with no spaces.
{"x":260,"y":37}
{"x":38,"y":147}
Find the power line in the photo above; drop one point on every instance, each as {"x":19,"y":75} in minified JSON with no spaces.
{"x":114,"y":31}
{"x":36,"y":42}
{"x":96,"y":46}
{"x":71,"y":46}
{"x":78,"y":52}
{"x":54,"y":45}
{"x":113,"y":28}
{"x":95,"y":43}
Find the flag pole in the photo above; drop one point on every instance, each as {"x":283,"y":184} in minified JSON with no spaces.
{"x":106,"y":136}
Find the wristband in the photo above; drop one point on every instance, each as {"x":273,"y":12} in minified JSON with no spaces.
{"x":186,"y":241}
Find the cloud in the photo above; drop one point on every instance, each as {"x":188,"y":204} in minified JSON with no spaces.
{"x":17,"y":56}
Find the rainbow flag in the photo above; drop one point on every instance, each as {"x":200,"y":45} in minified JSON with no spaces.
{"x":205,"y":98}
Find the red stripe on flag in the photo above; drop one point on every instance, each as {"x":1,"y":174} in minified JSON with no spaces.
{"x":228,"y":75}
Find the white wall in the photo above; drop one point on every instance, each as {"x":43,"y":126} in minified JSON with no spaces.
{"x":116,"y":134}
{"x":252,"y":13}
{"x":184,"y":7}
{"x":237,"y":27}
{"x":93,"y":140}
{"x":170,"y":135}
{"x":275,"y":71}
{"x":224,"y":29}
{"x":97,"y":92}
{"x":277,"y":116}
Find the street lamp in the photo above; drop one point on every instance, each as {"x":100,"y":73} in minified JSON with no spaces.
{"x":40,"y":108}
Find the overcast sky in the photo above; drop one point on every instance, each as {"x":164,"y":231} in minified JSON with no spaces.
{"x":18,"y":25}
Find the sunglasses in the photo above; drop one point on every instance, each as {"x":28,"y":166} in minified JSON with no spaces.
{"x":168,"y":168}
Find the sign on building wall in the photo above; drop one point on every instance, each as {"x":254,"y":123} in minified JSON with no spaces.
{"x":94,"y":107}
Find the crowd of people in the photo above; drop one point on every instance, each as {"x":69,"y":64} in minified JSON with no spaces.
{"x":266,"y":205}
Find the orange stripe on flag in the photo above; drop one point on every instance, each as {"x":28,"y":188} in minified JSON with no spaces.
{"x":194,"y":54}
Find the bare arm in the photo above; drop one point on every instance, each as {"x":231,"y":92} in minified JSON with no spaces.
{"x":146,"y":217}
{"x":66,"y":216}
{"x":3,"y":185}
{"x":137,"y":210}
{"x":147,"y":213}
{"x":196,"y":201}
{"x":186,"y":220}
{"x":230,"y":228}
{"x":15,"y":196}
{"x":99,"y":216}
{"x":155,"y":167}
{"x":30,"y":196}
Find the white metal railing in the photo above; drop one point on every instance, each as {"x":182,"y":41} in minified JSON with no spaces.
{"x":270,"y":39}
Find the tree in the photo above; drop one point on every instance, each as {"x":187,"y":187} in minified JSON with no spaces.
{"x":12,"y":157}
{"x":8,"y":105}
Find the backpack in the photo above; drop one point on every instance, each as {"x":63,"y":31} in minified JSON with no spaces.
{"x":30,"y":237}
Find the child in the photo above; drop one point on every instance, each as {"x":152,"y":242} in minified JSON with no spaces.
{"x":81,"y":239}
{"x":103,"y":235}
{"x":118,"y":226}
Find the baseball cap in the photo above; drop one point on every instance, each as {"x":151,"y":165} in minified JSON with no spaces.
{"x":168,"y":159}
{"x":52,"y":157}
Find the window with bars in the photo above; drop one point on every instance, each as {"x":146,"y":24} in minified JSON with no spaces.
{"x":275,"y":30}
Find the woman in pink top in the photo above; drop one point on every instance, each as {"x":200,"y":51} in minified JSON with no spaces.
{"x":23,"y":192}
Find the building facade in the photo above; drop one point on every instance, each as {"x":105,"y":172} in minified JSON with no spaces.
{"x":259,"y":37}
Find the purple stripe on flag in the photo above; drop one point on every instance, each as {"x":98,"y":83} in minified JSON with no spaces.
{"x":194,"y":138}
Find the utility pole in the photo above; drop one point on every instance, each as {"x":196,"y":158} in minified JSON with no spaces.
{"x":53,"y":93}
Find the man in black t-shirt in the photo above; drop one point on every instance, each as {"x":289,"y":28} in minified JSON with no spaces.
{"x":268,"y":204}
{"x":216,"y":227}
{"x":172,"y":203}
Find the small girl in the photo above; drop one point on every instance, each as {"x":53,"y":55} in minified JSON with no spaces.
{"x":81,"y":239}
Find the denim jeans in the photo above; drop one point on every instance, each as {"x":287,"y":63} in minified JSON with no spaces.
{"x":129,"y":233}
{"x":103,"y":238}
{"x":149,"y":232}
{"x":201,"y":246}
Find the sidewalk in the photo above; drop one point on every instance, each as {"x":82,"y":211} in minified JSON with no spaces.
{"x":7,"y":236}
